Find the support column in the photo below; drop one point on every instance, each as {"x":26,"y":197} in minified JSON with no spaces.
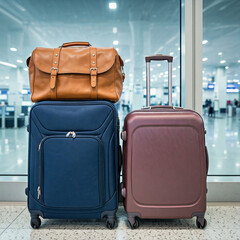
{"x":220,"y":88}
{"x":193,"y":54}
{"x":136,"y":81}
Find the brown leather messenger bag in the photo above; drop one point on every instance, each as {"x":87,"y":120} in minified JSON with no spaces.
{"x":75,"y":70}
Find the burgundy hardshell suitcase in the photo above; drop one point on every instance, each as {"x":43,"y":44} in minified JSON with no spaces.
{"x":165,"y":161}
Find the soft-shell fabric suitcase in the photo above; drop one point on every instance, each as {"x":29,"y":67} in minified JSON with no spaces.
{"x":165,"y":161}
{"x":73,"y":161}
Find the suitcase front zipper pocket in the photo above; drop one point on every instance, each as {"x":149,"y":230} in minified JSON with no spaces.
{"x":71,"y":172}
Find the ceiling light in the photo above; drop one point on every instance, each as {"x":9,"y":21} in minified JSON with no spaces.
{"x":127,"y":60}
{"x":112,"y":5}
{"x":226,"y":67}
{"x":174,"y":69}
{"x":115,"y":42}
{"x":159,"y":65}
{"x":204,"y":42}
{"x":220,"y":54}
{"x":13,"y":49}
{"x":179,"y":49}
{"x":171,"y":53}
{"x":7,"y":77}
{"x":178,"y":66}
{"x":25,"y":69}
{"x":19,"y":161}
{"x":24,"y":91}
{"x":19,"y":61}
{"x":238,"y":61}
{"x":114,"y":30}
{"x":205,"y":59}
{"x":117,"y":49}
{"x":223,"y":61}
{"x":8,"y":64}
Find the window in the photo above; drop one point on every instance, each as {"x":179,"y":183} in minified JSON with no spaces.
{"x":221,"y":79}
{"x":135,"y":28}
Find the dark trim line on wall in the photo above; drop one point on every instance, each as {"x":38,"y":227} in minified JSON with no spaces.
{"x":209,"y":175}
{"x":13,"y":175}
{"x":224,"y":175}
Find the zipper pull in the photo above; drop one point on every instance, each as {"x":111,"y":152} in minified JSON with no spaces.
{"x":73,"y":134}
{"x":38,"y":192}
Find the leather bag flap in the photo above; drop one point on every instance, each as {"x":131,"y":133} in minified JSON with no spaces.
{"x":74,"y":60}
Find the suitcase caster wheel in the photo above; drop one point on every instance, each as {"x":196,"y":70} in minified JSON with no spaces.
{"x":200,"y":224}
{"x":35,"y":222}
{"x":134,"y":224}
{"x":110,"y":224}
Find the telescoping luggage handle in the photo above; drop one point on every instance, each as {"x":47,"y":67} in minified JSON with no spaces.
{"x":159,"y":57}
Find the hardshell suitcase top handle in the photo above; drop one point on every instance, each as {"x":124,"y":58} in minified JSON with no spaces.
{"x":159,"y":57}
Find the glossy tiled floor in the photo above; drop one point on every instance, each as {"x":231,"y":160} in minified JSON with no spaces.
{"x":223,"y":224}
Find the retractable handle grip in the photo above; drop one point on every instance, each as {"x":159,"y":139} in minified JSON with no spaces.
{"x":70,"y":44}
{"x":159,"y":57}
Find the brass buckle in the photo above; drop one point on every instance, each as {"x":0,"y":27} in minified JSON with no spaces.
{"x":93,"y":69}
{"x":53,"y":68}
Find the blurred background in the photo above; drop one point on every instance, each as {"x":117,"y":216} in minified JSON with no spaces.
{"x":135,"y":28}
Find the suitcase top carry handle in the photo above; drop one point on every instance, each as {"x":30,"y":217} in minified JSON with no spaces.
{"x":164,"y":106}
{"x":159,"y":57}
{"x":70,"y":44}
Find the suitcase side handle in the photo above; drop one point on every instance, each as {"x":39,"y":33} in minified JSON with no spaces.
{"x":70,"y":44}
{"x":207,"y":160}
{"x":159,"y":57}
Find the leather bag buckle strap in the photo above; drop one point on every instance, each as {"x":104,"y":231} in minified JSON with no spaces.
{"x":54,"y":71}
{"x":93,"y":70}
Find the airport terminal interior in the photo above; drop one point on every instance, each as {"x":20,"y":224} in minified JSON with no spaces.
{"x":135,"y":28}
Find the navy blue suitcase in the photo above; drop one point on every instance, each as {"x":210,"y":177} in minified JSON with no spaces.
{"x":73,"y":166}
